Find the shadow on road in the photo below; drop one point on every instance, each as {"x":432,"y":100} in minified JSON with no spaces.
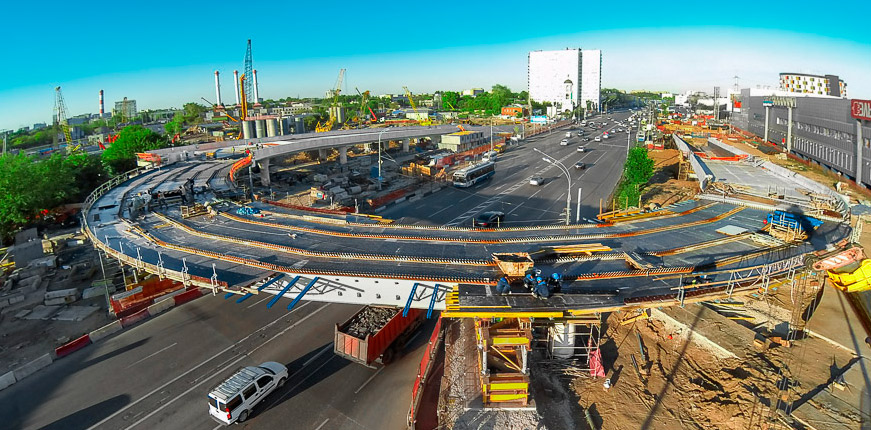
{"x":91,"y":415}
{"x":115,"y":352}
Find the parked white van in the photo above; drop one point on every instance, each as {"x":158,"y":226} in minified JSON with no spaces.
{"x":233,"y":400}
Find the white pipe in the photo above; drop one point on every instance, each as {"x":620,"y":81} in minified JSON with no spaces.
{"x":236,"y":86}
{"x":218,"y":88}
{"x":256,"y":91}
{"x":578,"y":214}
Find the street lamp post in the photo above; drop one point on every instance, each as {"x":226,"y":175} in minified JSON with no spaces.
{"x":561,"y":166}
{"x":379,"y":158}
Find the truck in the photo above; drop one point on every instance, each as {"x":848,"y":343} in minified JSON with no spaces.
{"x":375,"y":334}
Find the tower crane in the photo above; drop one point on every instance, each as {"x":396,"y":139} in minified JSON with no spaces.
{"x":60,"y":108}
{"x":327,"y":126}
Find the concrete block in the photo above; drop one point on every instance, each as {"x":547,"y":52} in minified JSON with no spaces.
{"x":161,"y":306}
{"x":97,"y":291}
{"x":7,"y":379}
{"x":61,"y":293}
{"x":16,"y":299}
{"x":105,"y":331}
{"x":30,"y":368}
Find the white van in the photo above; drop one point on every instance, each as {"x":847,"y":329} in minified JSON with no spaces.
{"x":489,"y":156}
{"x":232,"y":400}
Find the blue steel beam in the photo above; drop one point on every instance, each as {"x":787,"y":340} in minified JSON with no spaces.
{"x":265,"y":284}
{"x":432,"y":300}
{"x":283,"y":290}
{"x":410,"y":298}
{"x":302,"y":293}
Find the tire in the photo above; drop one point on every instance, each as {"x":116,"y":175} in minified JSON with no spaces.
{"x":281,"y":382}
{"x":242,"y":417}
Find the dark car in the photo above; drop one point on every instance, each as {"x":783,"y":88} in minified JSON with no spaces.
{"x":488,"y":219}
{"x":586,"y":139}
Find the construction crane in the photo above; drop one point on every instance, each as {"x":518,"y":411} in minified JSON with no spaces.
{"x":60,"y":108}
{"x":327,"y":126}
{"x":427,"y":121}
{"x":364,"y":102}
{"x":247,"y":87}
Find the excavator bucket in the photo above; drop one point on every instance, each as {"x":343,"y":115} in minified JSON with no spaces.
{"x":853,"y":281}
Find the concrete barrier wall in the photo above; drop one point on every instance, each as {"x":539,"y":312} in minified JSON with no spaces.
{"x":7,"y":379}
{"x":727,"y":147}
{"x":161,"y":306}
{"x":72,"y":346}
{"x":187,"y":296}
{"x":32,"y":367}
{"x":135,"y":318}
{"x":105,"y":331}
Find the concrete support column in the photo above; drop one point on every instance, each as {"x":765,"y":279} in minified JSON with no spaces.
{"x":265,"y":179}
{"x":859,"y":141}
{"x":322,"y":154}
{"x":343,"y":155}
{"x":767,"y":110}
{"x":405,"y":145}
{"x":789,"y":130}
{"x":373,"y":146}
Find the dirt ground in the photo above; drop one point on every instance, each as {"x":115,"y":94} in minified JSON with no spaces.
{"x":664,"y":188}
{"x":686,"y":387}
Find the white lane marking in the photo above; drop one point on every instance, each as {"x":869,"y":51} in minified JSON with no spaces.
{"x":316,"y":356}
{"x":160,"y":388}
{"x":322,"y":424}
{"x":369,"y":380}
{"x":281,"y":399}
{"x":225,"y":368}
{"x":258,"y":302}
{"x":151,"y":355}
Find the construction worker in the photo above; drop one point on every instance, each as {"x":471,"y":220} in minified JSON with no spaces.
{"x":503,"y":286}
{"x":541,"y":290}
{"x":529,"y":278}
{"x":555,"y":283}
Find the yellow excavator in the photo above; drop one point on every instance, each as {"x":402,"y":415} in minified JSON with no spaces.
{"x":849,"y":271}
{"x":327,"y":126}
{"x":427,"y":121}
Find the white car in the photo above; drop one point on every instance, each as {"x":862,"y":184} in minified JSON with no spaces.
{"x":536,"y":180}
{"x":232,"y":400}
{"x":564,"y":142}
{"x":598,"y":139}
{"x":582,"y":148}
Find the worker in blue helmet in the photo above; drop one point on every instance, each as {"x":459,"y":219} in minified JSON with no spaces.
{"x":503,"y":286}
{"x":555,"y":283}
{"x":541,"y":291}
{"x":529,"y":278}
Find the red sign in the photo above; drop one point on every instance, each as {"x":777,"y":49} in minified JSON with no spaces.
{"x":860,"y":109}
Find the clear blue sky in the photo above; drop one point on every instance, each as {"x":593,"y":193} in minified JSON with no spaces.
{"x":164,"y":54}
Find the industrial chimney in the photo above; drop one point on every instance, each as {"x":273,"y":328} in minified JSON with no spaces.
{"x":218,"y":89}
{"x":236,"y":85}
{"x":256,"y":90}
{"x":102,"y":106}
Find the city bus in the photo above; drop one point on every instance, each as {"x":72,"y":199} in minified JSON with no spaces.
{"x":471,"y":175}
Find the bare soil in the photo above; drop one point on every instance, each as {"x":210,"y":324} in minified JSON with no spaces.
{"x":664,"y":188}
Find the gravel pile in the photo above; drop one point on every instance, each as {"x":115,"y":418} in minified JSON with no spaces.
{"x":369,"y":321}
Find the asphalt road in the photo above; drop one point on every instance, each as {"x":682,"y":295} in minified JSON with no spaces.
{"x":157,"y":374}
{"x":509,"y":190}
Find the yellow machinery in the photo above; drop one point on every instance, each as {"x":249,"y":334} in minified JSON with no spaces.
{"x":504,"y":347}
{"x":327,"y":126}
{"x":61,"y":109}
{"x":427,"y":121}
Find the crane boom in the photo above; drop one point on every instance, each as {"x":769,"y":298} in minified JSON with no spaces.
{"x":60,"y":107}
{"x":320,"y":128}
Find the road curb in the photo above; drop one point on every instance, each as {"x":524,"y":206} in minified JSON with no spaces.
{"x":165,"y":303}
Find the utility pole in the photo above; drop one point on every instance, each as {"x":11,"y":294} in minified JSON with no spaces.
{"x":5,"y":134}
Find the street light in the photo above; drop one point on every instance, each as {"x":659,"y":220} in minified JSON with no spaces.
{"x":379,"y":158}
{"x":565,"y":170}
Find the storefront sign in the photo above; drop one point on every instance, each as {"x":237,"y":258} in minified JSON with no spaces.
{"x":861,"y":109}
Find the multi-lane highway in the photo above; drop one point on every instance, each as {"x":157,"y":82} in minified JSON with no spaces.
{"x":509,"y":190}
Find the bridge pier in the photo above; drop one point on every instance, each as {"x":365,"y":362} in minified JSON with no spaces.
{"x":405,"y":144}
{"x":322,"y":154}
{"x":265,"y":179}
{"x":343,"y":155}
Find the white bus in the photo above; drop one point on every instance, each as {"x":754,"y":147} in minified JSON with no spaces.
{"x":469,"y":176}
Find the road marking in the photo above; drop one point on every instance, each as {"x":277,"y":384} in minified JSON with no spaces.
{"x":369,"y":380}
{"x":160,"y":388}
{"x":276,"y":401}
{"x":225,"y":368}
{"x":258,"y":302}
{"x":151,"y":355}
{"x":322,"y":424}
{"x":316,"y":356}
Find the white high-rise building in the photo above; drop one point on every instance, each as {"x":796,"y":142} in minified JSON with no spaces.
{"x":566,"y":78}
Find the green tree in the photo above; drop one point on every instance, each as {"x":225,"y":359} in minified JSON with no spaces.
{"x":175,"y":125}
{"x":193,"y":113}
{"x":450,"y":99}
{"x":639,"y":166}
{"x":121,"y":155}
{"x":28,"y":186}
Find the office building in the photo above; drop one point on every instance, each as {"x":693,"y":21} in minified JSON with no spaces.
{"x":824,"y":85}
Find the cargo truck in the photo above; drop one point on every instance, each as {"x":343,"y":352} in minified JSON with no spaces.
{"x":375,"y":334}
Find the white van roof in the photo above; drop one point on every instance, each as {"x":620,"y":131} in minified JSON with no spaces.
{"x":234,"y":384}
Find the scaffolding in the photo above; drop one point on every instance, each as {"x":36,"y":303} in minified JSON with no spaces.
{"x":575,"y":340}
{"x":503,"y":361}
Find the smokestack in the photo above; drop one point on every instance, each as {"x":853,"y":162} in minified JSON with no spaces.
{"x":218,"y":88}
{"x":102,"y":106}
{"x":236,"y":85}
{"x":256,"y":91}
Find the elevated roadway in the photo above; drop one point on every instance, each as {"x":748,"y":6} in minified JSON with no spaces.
{"x":444,"y":267}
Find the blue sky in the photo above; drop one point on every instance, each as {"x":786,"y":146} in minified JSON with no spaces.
{"x":166,"y":55}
